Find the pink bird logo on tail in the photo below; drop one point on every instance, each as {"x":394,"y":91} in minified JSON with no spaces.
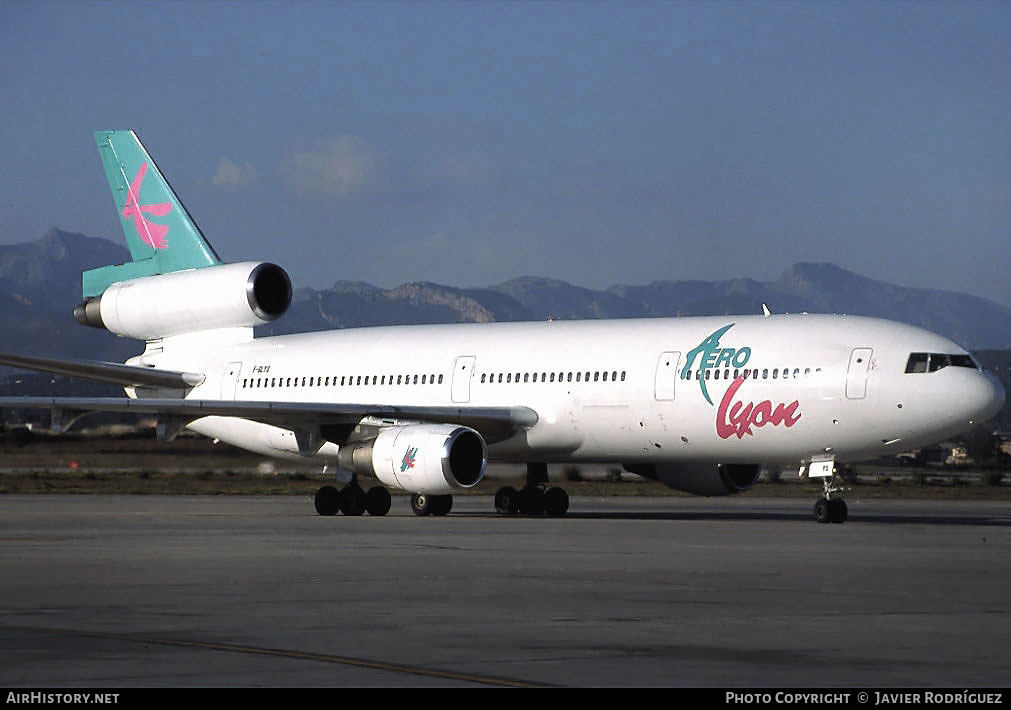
{"x":150,"y":233}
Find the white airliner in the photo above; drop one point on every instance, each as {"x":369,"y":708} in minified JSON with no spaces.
{"x":696,"y":403}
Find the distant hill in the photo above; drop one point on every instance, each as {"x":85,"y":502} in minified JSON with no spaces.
{"x":40,"y":285}
{"x":974,"y":322}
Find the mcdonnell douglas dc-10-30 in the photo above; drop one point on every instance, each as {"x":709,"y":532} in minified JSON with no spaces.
{"x":699,"y":404}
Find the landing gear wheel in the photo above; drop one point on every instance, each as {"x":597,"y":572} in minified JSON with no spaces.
{"x":440,"y":505}
{"x":328,"y":501}
{"x":352,"y":500}
{"x":531,"y":501}
{"x":837,"y":510}
{"x":830,"y":508}
{"x":378,"y":501}
{"x":507,"y":501}
{"x":556,"y":502}
{"x":421,"y":504}
{"x":822,"y":510}
{"x":535,"y":498}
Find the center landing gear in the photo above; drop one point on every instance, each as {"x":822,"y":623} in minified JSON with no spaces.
{"x":352,"y":500}
{"x":535,"y":498}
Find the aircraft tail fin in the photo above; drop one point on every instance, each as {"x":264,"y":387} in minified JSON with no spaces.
{"x":161,"y":235}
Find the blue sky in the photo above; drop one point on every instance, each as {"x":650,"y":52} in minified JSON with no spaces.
{"x":468,"y":143}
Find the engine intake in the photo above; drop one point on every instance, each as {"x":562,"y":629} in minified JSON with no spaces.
{"x":225,"y":296}
{"x":268,"y":291}
{"x":422,"y":458}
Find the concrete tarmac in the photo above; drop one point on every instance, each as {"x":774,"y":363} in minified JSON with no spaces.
{"x":166,"y":591}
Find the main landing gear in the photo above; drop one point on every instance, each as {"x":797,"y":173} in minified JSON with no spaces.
{"x":535,"y":498}
{"x":353,"y":500}
{"x":424,"y":504}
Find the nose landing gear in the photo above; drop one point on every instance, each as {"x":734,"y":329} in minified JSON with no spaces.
{"x":830,"y":508}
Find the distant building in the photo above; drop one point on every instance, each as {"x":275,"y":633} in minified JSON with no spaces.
{"x":959,"y":456}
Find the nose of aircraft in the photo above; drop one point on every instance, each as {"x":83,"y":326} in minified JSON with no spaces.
{"x":988,"y":398}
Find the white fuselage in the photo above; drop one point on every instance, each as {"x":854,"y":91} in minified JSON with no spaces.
{"x":706,"y":389}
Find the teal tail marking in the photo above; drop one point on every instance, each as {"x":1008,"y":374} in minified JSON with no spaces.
{"x":160,"y":233}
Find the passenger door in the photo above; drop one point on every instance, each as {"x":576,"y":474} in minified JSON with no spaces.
{"x":463,"y":369}
{"x":856,"y":374}
{"x":230,"y":379}
{"x":666,"y":375}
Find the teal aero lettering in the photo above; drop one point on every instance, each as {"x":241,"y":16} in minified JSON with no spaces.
{"x":713,"y":356}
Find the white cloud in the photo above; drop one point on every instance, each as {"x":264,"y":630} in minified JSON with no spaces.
{"x":230,"y":174}
{"x":339,"y":167}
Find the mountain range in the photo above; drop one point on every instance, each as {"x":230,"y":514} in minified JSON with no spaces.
{"x":40,"y":285}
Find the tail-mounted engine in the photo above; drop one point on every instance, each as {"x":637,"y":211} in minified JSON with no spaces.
{"x":422,"y":458}
{"x":224,"y":296}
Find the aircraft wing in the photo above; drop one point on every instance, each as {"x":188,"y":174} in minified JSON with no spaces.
{"x":492,"y":422}
{"x":108,"y":372}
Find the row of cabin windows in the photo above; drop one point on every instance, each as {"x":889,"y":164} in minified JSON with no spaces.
{"x":343,"y":381}
{"x":766,"y":374}
{"x":596,"y":375}
{"x":509,"y":377}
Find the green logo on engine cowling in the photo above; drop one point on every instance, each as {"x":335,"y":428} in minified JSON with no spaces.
{"x":409,"y":457}
{"x":713,"y":356}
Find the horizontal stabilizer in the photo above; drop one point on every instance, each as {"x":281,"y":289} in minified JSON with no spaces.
{"x":108,"y":372}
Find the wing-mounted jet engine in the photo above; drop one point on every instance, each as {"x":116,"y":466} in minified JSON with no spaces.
{"x":433,"y":460}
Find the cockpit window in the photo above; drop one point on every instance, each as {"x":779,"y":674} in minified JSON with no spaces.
{"x":938,"y":361}
{"x":917,"y":362}
{"x":963,"y":361}
{"x":932,"y":362}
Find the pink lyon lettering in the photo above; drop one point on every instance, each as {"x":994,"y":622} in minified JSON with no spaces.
{"x":150,"y":233}
{"x":741,"y":418}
